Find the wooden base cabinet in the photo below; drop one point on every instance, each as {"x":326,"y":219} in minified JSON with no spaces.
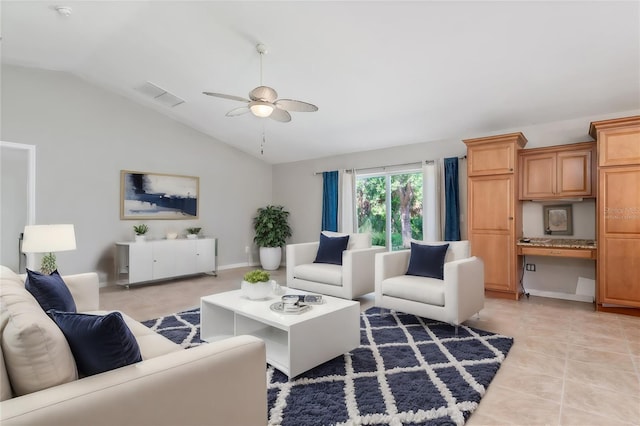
{"x":618,"y":214}
{"x":495,"y":213}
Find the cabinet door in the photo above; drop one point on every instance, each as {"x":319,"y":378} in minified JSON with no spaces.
{"x":185,"y":257}
{"x":574,"y":176}
{"x":491,"y":158}
{"x":539,"y":176}
{"x":617,"y":147}
{"x":497,"y":251}
{"x":163,"y":259}
{"x":491,"y":204}
{"x":619,"y":236}
{"x":206,"y":255}
{"x":491,"y":229}
{"x":140,"y":262}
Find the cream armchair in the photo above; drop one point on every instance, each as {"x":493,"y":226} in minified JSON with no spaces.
{"x":453,"y":300}
{"x":350,"y":280}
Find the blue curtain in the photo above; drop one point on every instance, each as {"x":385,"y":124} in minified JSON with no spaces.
{"x":452,"y":202}
{"x":330,"y":201}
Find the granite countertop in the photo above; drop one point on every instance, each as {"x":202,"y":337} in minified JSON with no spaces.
{"x":558,"y":243}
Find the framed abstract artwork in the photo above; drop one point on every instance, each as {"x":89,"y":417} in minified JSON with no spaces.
{"x":145,"y":195}
{"x":558,"y":220}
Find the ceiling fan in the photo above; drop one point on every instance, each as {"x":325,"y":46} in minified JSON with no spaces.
{"x":263,"y":100}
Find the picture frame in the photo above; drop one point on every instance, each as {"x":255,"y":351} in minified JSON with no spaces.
{"x":145,"y":195}
{"x":558,"y":220}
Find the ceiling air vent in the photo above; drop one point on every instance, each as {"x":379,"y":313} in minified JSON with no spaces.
{"x":160,"y":95}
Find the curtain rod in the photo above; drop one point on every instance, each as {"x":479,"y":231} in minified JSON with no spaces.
{"x":390,"y":165}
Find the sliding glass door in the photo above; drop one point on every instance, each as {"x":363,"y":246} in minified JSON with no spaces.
{"x":389,"y":206}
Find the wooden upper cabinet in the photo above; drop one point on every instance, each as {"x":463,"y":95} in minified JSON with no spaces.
{"x":618,"y":141}
{"x":558,"y":172}
{"x":493,"y":155}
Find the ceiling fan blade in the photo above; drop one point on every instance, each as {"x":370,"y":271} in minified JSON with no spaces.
{"x":280,"y":115}
{"x":298,"y":106}
{"x":233,"y":98}
{"x":238,"y":111}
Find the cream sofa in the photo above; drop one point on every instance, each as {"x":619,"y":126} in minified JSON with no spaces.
{"x":350,"y":280}
{"x":220,"y":383}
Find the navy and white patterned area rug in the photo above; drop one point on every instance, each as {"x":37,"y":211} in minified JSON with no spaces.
{"x":407,"y":370}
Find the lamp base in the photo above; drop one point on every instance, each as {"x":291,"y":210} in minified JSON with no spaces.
{"x":48,"y":264}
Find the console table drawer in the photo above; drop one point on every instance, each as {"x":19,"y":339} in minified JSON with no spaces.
{"x":557,"y":252}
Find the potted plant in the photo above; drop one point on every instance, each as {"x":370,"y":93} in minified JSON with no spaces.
{"x":256,"y":284}
{"x":140,"y":230}
{"x":272,"y":229}
{"x":192,"y":233}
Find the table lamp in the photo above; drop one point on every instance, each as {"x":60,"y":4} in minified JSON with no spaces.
{"x":48,"y":239}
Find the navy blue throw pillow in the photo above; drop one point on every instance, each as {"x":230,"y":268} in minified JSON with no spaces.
{"x":50,"y":291}
{"x":427,"y":261}
{"x":330,"y":249}
{"x":98,"y":342}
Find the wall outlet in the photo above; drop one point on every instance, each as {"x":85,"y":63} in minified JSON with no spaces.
{"x":530,"y":267}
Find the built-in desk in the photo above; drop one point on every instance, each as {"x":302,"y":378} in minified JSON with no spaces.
{"x":582,"y":249}
{"x":564,"y":248}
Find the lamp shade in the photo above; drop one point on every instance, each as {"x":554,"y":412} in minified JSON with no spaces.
{"x":48,"y":238}
{"x":261,"y":108}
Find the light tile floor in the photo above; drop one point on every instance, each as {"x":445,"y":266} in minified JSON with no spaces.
{"x":569,"y":365}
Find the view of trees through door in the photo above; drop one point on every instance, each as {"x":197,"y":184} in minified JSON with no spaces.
{"x":399,"y":193}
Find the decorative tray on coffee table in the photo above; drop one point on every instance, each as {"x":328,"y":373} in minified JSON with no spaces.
{"x":279,"y":308}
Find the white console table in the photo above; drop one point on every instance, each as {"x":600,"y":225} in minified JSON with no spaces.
{"x":138,"y":262}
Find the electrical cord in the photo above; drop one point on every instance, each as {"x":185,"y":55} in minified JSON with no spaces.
{"x":524,"y":262}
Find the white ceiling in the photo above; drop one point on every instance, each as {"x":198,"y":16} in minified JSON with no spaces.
{"x":382,"y":73}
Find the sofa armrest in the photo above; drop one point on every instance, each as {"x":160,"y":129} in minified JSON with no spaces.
{"x":300,"y":254}
{"x":464,"y":286}
{"x":387,"y":265}
{"x":219,"y":383}
{"x":358,"y":268}
{"x":85,"y":289}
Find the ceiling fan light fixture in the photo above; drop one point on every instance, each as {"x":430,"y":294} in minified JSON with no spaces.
{"x":261,"y":108}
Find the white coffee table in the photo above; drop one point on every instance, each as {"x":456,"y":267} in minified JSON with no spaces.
{"x":294,"y":343}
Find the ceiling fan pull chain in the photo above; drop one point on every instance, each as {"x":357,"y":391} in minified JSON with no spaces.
{"x":263,"y":141}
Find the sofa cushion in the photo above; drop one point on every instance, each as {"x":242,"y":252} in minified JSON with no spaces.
{"x":99,"y":342}
{"x":418,"y":289}
{"x":325,"y":273}
{"x":356,"y":241}
{"x":151,"y":343}
{"x":5,"y":384}
{"x":330,"y":249}
{"x":50,"y":291}
{"x":427,"y":261}
{"x":36,"y":353}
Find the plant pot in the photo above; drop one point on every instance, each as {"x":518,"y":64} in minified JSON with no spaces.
{"x":140,"y":238}
{"x":192,"y":236}
{"x":270,"y":258}
{"x":256,"y":291}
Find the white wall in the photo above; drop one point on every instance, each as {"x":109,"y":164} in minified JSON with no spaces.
{"x":85,"y":135}
{"x":296,"y":187}
{"x":13,"y":195}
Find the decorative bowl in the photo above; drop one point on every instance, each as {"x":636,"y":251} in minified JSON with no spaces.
{"x":256,"y":291}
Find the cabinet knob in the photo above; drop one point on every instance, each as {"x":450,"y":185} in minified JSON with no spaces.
{"x":511,"y":169}
{"x":510,"y":217}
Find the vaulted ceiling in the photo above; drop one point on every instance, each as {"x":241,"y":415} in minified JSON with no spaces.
{"x":383,"y":73}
